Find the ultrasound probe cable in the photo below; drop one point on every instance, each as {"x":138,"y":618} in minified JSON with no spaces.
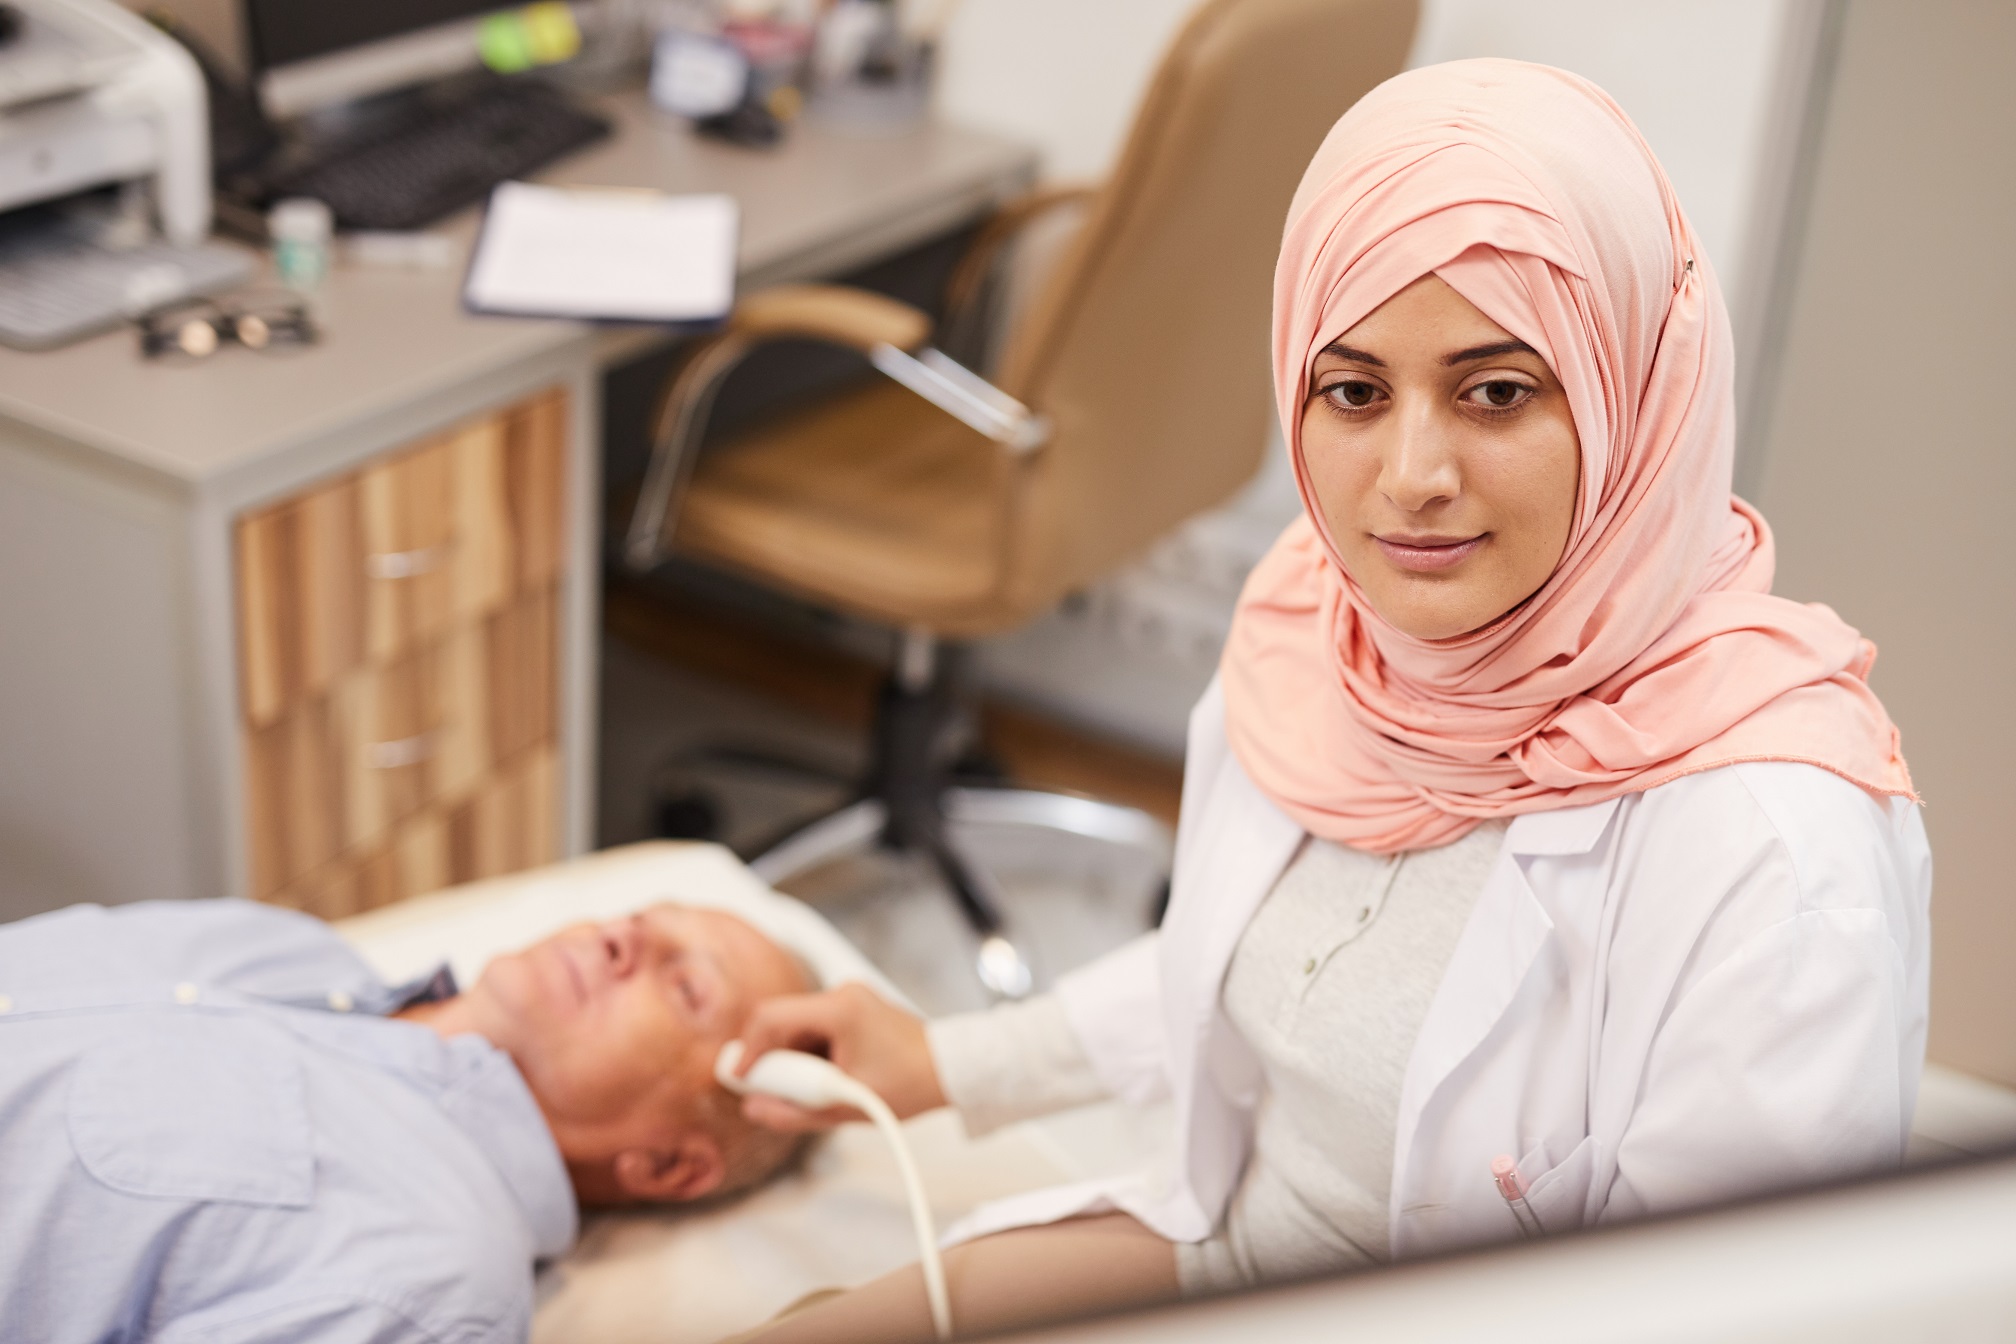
{"x":815,"y":1084}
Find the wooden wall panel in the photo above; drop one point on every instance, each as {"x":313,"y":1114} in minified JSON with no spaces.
{"x":461,"y":703}
{"x":539,"y":819}
{"x":399,"y":739}
{"x":294,"y":797}
{"x":535,"y":473}
{"x":399,"y":653}
{"x":313,"y":784}
{"x":367,"y":807}
{"x":265,"y":803}
{"x":300,"y":587}
{"x":483,"y":567}
{"x":422,"y":852}
{"x":265,"y":618}
{"x":521,"y":658}
{"x":409,"y":542}
{"x":329,"y":586}
{"x":378,"y":879}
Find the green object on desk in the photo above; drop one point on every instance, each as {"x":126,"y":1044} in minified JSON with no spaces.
{"x":519,"y":39}
{"x":504,"y":44}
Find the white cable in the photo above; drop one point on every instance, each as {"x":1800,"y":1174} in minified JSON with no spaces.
{"x":815,"y":1083}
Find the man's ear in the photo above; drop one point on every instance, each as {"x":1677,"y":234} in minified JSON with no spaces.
{"x":690,"y":1167}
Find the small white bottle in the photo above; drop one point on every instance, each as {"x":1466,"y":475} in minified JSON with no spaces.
{"x":301,"y":228}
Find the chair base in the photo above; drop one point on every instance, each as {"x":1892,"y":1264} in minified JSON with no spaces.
{"x":863,"y":825}
{"x":920,"y":789}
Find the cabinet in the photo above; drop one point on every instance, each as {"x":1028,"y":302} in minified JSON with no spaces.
{"x":398,"y":634}
{"x":317,"y":630}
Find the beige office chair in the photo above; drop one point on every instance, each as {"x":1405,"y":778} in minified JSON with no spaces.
{"x":1132,"y":394}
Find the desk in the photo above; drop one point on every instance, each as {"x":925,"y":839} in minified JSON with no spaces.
{"x":124,"y":485}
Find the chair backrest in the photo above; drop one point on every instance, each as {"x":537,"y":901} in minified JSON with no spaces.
{"x":1148,"y":345}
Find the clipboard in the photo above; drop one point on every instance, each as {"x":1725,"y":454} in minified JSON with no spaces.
{"x":604,"y":254}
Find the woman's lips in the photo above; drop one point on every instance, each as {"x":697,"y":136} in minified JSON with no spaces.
{"x":1426,"y":555}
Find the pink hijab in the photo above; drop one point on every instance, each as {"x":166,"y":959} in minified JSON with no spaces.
{"x":1656,"y":649}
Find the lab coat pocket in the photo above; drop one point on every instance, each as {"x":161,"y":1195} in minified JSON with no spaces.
{"x":199,"y":1106}
{"x":1559,"y":1195}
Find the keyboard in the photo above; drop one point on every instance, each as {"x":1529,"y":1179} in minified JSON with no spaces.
{"x":414,"y":172}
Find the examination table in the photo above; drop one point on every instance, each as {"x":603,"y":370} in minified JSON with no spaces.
{"x":682,"y":1276}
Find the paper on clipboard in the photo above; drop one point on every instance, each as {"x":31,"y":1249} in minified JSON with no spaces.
{"x":593,"y":253}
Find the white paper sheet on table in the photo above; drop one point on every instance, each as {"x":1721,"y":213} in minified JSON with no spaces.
{"x":604,"y":253}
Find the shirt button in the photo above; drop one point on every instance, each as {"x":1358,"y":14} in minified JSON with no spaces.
{"x":185,"y":993}
{"x":340,"y":1001}
{"x":1309,"y":966}
{"x":1365,"y":914}
{"x":6,"y":1004}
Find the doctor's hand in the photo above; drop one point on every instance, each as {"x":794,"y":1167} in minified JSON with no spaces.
{"x":867,"y":1036}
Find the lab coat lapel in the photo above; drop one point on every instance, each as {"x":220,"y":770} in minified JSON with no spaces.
{"x":1238,"y":846}
{"x":1508,"y":930}
{"x":1505,"y":935}
{"x":1232,"y":862}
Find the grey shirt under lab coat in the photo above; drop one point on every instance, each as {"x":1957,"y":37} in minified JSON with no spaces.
{"x":1329,"y":986}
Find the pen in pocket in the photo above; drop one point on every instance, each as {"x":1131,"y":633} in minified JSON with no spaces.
{"x":1512,"y":1188}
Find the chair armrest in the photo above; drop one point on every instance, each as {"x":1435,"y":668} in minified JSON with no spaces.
{"x":885,"y":330}
{"x":851,"y":317}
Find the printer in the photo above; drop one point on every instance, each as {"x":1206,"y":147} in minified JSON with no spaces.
{"x":92,"y":95}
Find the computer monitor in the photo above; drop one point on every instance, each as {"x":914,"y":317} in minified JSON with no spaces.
{"x":311,"y":54}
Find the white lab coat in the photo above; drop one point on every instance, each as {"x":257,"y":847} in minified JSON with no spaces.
{"x":1711,"y":989}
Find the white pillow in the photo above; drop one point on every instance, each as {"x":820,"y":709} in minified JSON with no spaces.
{"x":468,"y":925}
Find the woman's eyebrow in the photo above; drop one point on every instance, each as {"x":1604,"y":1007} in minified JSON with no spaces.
{"x":1356,"y":356}
{"x":1487,"y":351}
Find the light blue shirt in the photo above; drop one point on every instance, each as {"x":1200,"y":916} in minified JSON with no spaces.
{"x":210,"y":1131}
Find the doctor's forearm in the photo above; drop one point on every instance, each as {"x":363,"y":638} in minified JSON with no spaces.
{"x":1027,"y":1277}
{"x":1012,"y":1063}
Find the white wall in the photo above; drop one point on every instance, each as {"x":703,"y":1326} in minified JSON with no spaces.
{"x":1065,"y":74}
{"x":1889,"y":475}
{"x":1695,"y":75}
{"x":1699,"y":77}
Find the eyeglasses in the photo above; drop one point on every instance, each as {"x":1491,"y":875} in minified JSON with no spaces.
{"x":196,"y":327}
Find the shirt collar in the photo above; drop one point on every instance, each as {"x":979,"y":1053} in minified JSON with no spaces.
{"x":478,"y":1088}
{"x":484,"y":1087}
{"x":432,"y":987}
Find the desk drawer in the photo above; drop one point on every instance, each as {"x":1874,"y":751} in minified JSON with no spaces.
{"x":398,"y":635}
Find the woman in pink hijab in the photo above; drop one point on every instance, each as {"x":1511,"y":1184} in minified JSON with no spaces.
{"x":1538,"y":868}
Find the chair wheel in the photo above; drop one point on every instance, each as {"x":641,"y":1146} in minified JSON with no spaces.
{"x":687,"y":814}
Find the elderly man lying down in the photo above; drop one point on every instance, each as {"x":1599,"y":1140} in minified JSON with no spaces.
{"x":217,"y":1124}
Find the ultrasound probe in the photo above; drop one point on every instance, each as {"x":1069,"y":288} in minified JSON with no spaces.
{"x":815,"y":1084}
